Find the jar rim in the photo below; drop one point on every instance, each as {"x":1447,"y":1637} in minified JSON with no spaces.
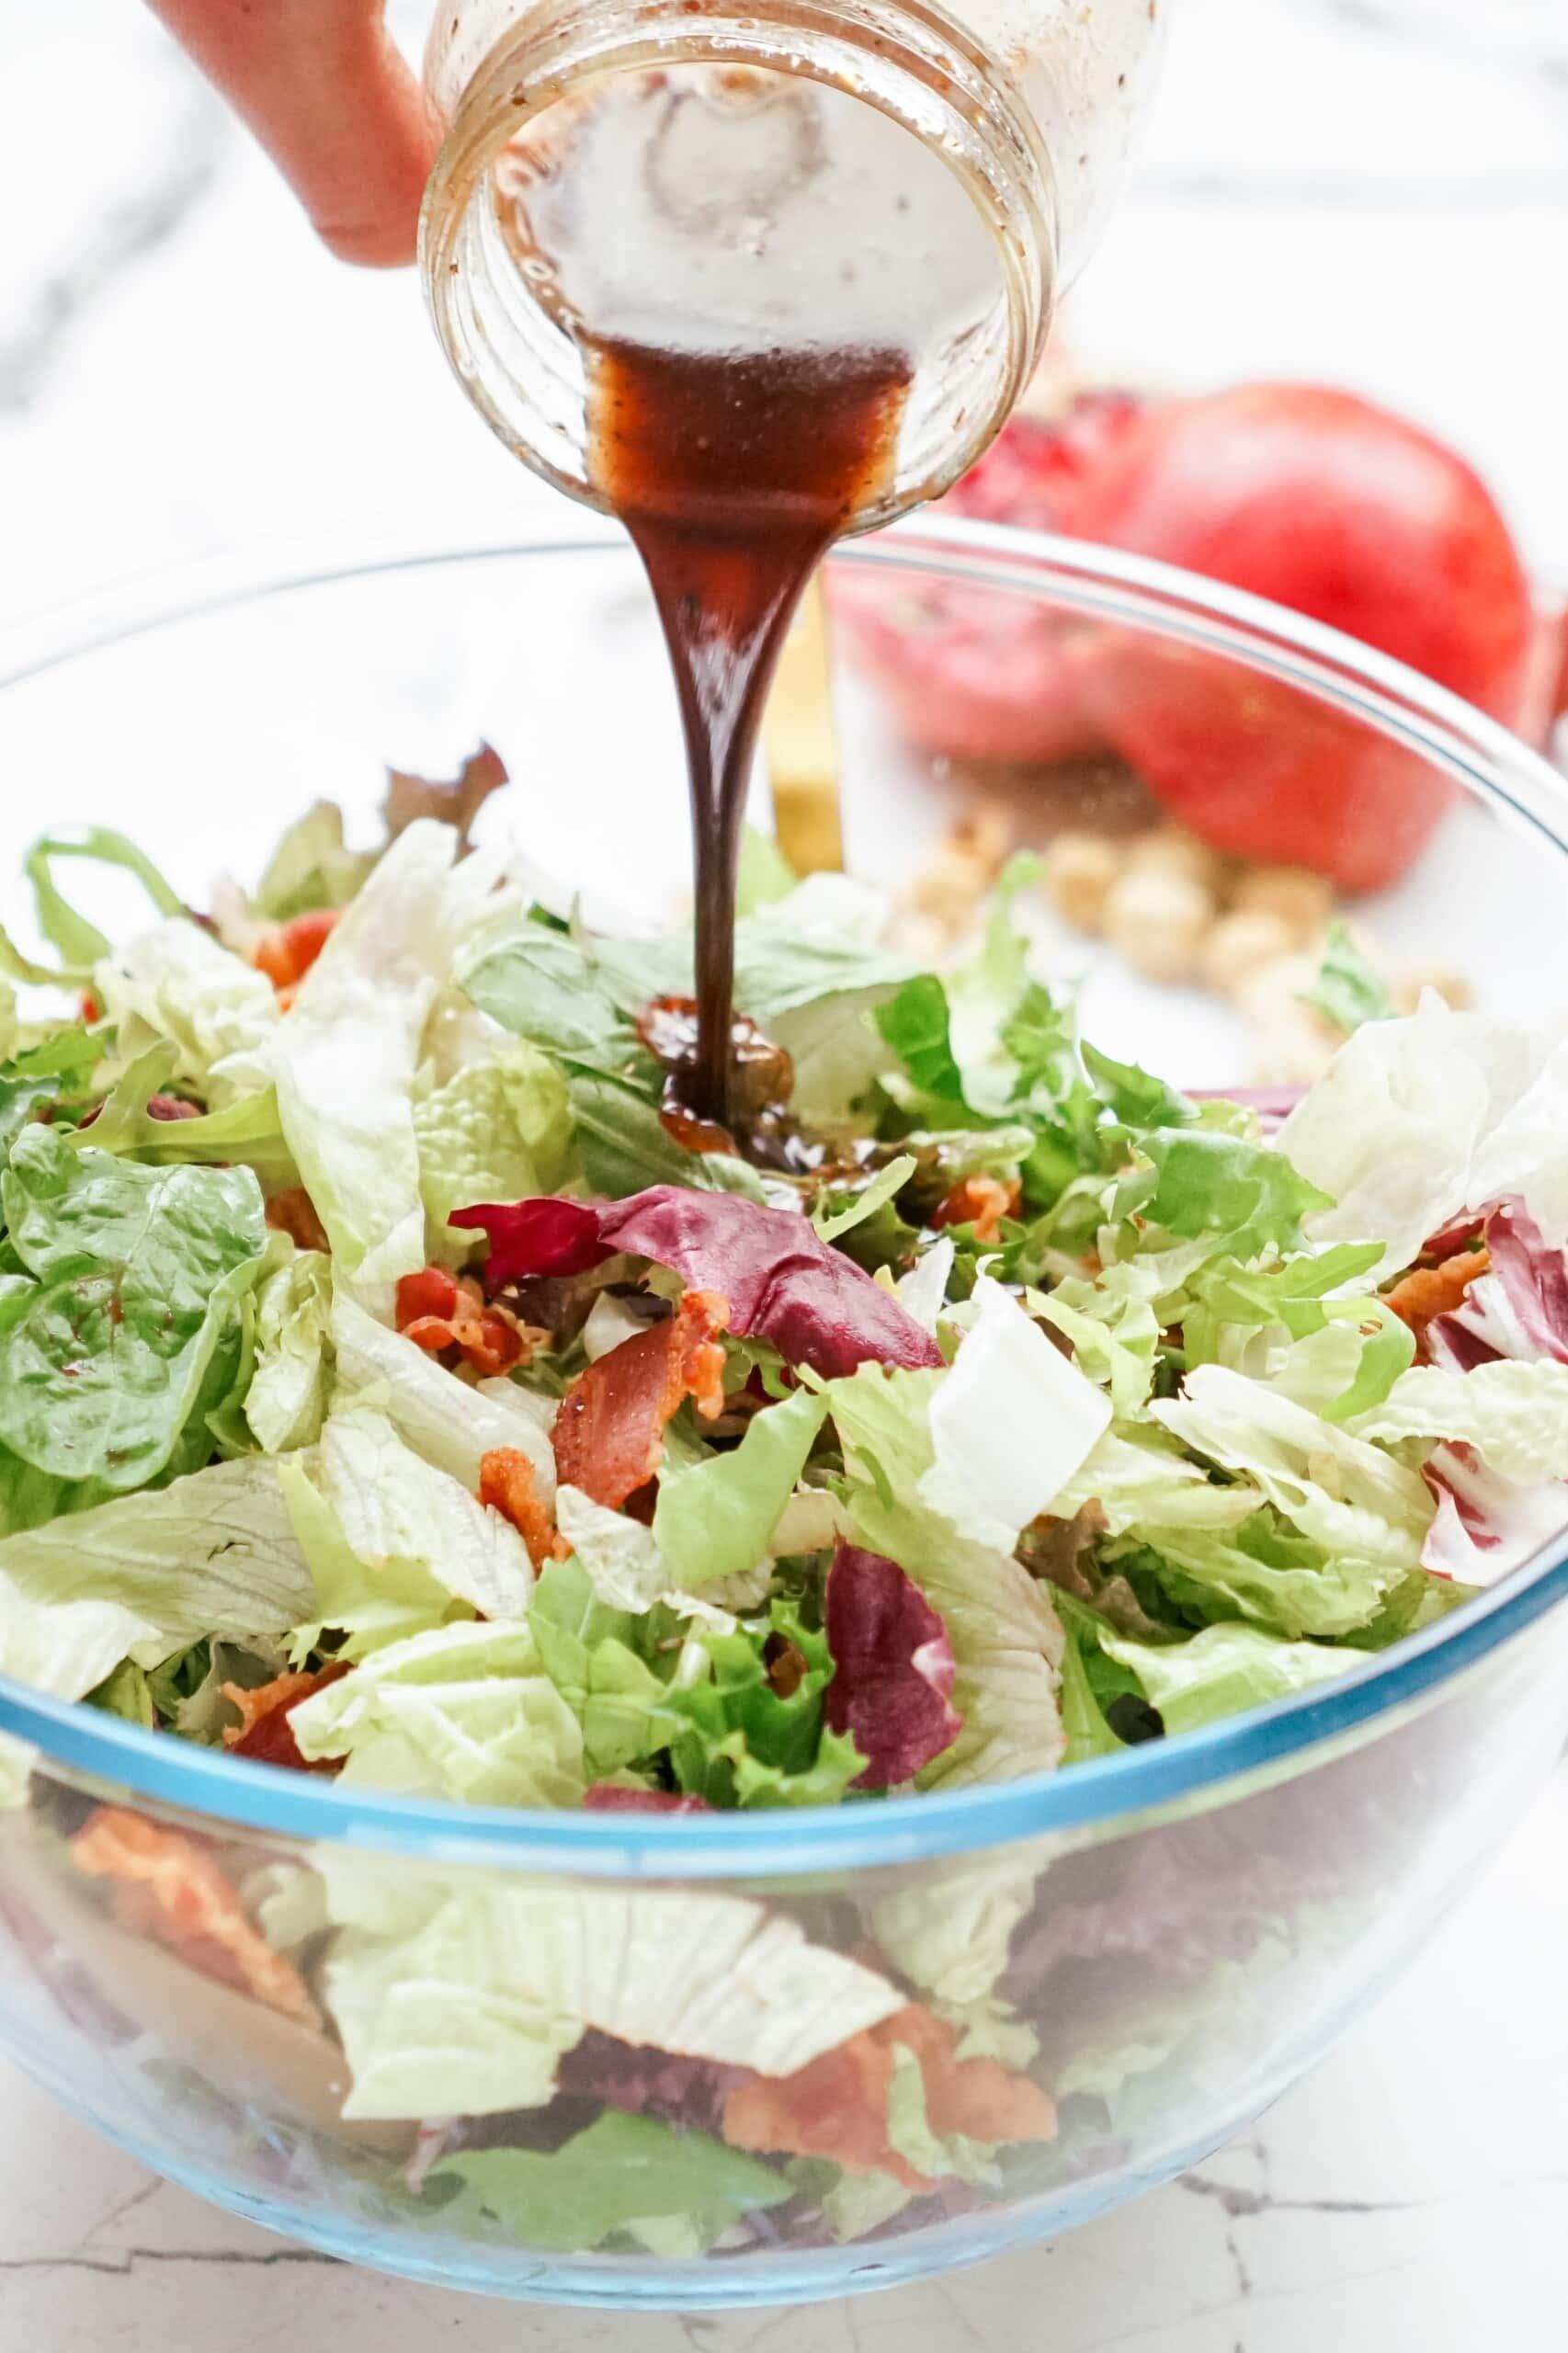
{"x":906,"y":59}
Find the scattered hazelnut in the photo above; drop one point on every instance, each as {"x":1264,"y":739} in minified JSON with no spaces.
{"x":1159,"y":921}
{"x":1451,"y":986}
{"x":1171,"y":849}
{"x":1241,"y":945}
{"x":1303,"y":900}
{"x":1079,"y":870}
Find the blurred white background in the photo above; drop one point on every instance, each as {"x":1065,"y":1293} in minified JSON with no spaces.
{"x":1372,"y":191}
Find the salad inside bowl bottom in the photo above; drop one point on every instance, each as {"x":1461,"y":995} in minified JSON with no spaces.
{"x":521,"y":1611}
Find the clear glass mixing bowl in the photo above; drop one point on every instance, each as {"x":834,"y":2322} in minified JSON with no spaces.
{"x":1184,"y":1926}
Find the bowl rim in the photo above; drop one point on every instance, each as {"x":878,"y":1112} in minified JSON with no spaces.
{"x":1078,"y":575}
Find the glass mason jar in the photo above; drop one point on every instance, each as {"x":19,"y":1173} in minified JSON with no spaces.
{"x":802,"y":176}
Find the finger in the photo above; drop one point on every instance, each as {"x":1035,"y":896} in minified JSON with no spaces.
{"x":323,"y":86}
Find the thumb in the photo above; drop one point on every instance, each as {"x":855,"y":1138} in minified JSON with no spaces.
{"x":321,"y":85}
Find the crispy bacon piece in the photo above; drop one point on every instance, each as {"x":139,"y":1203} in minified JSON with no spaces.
{"x":608,"y":1433}
{"x":507,"y":1484}
{"x":980,"y":1201}
{"x":838,"y":2107}
{"x":263,"y":1732}
{"x":439,"y":1311}
{"x":1429,"y":1291}
{"x":294,"y":1213}
{"x":286,"y":952}
{"x":167,"y":1886}
{"x":835,"y":2108}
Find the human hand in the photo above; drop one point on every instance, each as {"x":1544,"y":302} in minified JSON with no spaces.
{"x":323,"y":86}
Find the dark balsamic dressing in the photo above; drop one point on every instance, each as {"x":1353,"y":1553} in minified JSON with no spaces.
{"x":733,"y":474}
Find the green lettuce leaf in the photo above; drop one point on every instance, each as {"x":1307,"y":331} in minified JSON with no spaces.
{"x":543,"y":984}
{"x":623,"y":1148}
{"x":245,"y":1130}
{"x":58,"y":1069}
{"x":604,"y":2183}
{"x":742,"y":1742}
{"x":107,"y":1354}
{"x":81,"y":943}
{"x":951,"y":2157}
{"x":370,"y":1605}
{"x":620,"y":1556}
{"x":766,"y":875}
{"x":311,"y":867}
{"x":1223,"y":1671}
{"x":590,"y":1650}
{"x":1348,"y":991}
{"x":1208,"y":1183}
{"x":714,"y":1519}
{"x":462,"y":1712}
{"x":949,"y":1931}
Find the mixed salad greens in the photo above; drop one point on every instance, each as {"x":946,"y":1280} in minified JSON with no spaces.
{"x":397,"y":1383}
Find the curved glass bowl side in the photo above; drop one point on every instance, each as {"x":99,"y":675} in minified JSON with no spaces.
{"x":1159,"y":1983}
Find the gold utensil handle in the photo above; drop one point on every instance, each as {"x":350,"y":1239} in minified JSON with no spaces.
{"x":800,"y":744}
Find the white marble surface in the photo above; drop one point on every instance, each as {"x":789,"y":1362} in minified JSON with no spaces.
{"x":1369,"y":190}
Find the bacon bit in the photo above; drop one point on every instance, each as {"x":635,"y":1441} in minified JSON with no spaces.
{"x":286,"y":952}
{"x":609,"y":1432}
{"x":1428,"y":1293}
{"x":167,"y":1886}
{"x":507,"y":1484}
{"x":294,"y":1213}
{"x":439,"y":1311}
{"x":977,"y":2097}
{"x":263,"y":1732}
{"x":838,"y":2107}
{"x":980,"y":1201}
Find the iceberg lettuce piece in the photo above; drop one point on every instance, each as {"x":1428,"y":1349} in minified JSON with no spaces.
{"x":457,"y":1993}
{"x":394,"y":1505}
{"x":179,"y":984}
{"x":1514,"y":1415}
{"x":286,"y":1401}
{"x":1417,"y":1120}
{"x":1014,"y":1420}
{"x":1350,"y":1498}
{"x":462,"y":1712}
{"x":451,"y":1424}
{"x":343,"y":1057}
